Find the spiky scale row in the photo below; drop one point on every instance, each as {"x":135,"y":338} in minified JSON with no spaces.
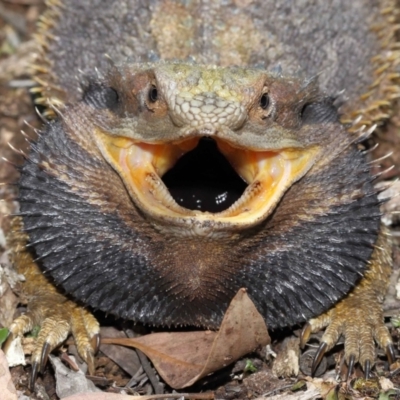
{"x":387,"y":67}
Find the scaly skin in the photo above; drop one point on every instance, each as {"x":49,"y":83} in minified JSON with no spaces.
{"x":48,"y":308}
{"x":358,"y":307}
{"x":164,"y":238}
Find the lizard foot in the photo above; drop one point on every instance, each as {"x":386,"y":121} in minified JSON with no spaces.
{"x":358,"y":317}
{"x":361,"y":324}
{"x":57,"y":318}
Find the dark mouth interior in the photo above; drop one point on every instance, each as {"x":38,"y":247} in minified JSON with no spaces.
{"x":204,"y":180}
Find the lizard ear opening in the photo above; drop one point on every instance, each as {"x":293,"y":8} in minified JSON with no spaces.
{"x":319,"y":112}
{"x":101,"y":97}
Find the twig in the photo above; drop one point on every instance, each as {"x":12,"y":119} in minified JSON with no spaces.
{"x":277,"y":390}
{"x":136,"y":378}
{"x":158,"y":388}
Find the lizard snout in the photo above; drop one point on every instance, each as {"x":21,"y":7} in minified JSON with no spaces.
{"x":207,"y":108}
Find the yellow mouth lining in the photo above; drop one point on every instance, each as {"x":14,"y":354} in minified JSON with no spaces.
{"x":268,"y":175}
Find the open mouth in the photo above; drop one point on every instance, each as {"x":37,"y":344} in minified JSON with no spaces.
{"x":203,"y":179}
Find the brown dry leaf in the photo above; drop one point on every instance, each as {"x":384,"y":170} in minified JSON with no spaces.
{"x":69,"y":382}
{"x":182,"y":358}
{"x":325,"y":386}
{"x":7,"y":388}
{"x":126,"y":358}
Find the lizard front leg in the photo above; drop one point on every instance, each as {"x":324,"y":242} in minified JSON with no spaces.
{"x":56,"y":315}
{"x":359,"y":316}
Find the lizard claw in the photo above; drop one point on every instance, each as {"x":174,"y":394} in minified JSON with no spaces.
{"x":359,"y":333}
{"x":358,"y":318}
{"x":390,"y":353}
{"x":350,"y":364}
{"x":91,"y":352}
{"x":367,"y":369}
{"x":318,"y":357}
{"x":305,"y":335}
{"x":95,"y":343}
{"x":44,"y":356}
{"x":34,"y":374}
{"x":57,"y":318}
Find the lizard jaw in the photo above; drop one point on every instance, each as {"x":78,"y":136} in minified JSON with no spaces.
{"x":268,"y":175}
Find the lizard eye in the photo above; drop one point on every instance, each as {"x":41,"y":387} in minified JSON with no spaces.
{"x":263,"y":106}
{"x":264,"y":101}
{"x":153,"y":94}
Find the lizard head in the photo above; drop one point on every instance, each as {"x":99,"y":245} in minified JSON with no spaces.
{"x":106,"y":196}
{"x":151,"y":121}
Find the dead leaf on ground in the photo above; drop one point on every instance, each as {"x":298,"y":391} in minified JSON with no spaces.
{"x":182,"y":358}
{"x":287,"y":360}
{"x":14,"y":352}
{"x":126,"y":358}
{"x":7,"y":388}
{"x":70,"y":382}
